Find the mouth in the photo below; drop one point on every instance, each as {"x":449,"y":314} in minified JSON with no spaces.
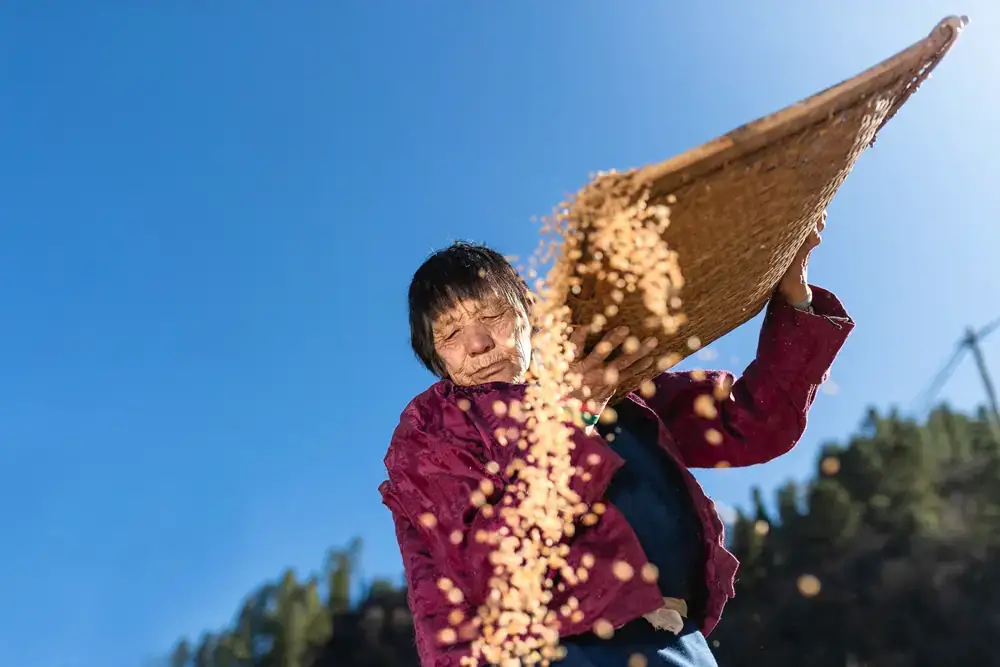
{"x":491,"y":370}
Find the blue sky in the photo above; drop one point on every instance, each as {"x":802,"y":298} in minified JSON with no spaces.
{"x":210,"y":213}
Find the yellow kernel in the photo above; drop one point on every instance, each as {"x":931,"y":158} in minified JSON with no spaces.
{"x":622,"y":570}
{"x":637,"y":660}
{"x":667,"y":361}
{"x":808,"y":585}
{"x":723,"y":388}
{"x":603,"y":629}
{"x":830,"y":465}
{"x":704,"y":406}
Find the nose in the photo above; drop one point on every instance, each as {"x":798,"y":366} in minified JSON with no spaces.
{"x":478,"y":340}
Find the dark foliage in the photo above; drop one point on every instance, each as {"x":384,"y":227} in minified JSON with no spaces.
{"x":900,"y":529}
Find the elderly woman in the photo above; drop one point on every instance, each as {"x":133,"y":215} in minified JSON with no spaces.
{"x":469,"y":326}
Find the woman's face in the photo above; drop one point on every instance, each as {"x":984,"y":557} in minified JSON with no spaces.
{"x":485,"y":340}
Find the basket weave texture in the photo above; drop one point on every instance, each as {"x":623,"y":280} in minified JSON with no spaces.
{"x":745,"y":202}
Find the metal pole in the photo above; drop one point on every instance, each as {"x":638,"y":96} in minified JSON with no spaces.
{"x":972,"y":340}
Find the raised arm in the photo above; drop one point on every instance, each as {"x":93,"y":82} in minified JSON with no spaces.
{"x":717,"y":422}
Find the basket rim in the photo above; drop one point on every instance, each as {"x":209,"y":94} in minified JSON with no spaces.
{"x":814,"y":109}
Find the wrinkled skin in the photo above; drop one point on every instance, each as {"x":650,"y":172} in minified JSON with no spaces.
{"x":484,"y":341}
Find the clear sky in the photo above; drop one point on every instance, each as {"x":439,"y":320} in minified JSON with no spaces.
{"x":209,"y":213}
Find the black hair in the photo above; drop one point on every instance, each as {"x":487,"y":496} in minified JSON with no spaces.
{"x":460,"y":271}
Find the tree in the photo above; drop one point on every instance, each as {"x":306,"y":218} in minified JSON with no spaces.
{"x":181,"y":654}
{"x":888,"y":557}
{"x":287,"y":623}
{"x":891,"y":562}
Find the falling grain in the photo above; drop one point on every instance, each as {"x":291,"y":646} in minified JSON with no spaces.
{"x":604,"y":629}
{"x":622,"y":570}
{"x":808,"y":585}
{"x":647,"y":389}
{"x":830,"y":465}
{"x":704,"y":406}
{"x":637,"y":660}
{"x":613,"y":235}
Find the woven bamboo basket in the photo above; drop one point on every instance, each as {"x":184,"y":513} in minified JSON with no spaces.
{"x":746,"y":201}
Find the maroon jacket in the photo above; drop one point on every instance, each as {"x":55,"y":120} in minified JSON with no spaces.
{"x":440,"y":453}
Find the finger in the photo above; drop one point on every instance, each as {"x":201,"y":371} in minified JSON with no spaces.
{"x":611,"y":340}
{"x":578,"y":339}
{"x":807,"y":246}
{"x":636,"y":369}
{"x":635,"y":352}
{"x":616,"y":372}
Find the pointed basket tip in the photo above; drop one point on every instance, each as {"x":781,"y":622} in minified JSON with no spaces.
{"x":955,"y":23}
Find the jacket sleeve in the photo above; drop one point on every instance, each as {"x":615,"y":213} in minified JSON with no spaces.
{"x":437,"y":461}
{"x":717,"y":422}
